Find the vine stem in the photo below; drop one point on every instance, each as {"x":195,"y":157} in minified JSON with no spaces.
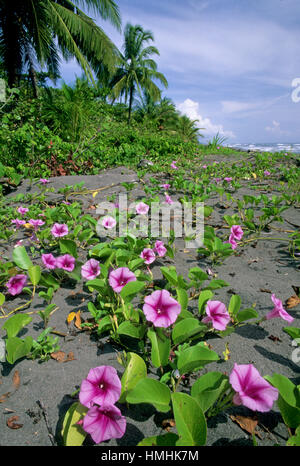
{"x":20,"y":307}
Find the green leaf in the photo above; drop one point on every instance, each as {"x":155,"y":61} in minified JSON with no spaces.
{"x":234,"y":304}
{"x":34,"y":273}
{"x":167,"y":440}
{"x":48,"y":280}
{"x":170,"y":274}
{"x":135,"y":370}
{"x":198,"y":275}
{"x":21,"y":258}
{"x":216,"y":284}
{"x":294,"y":440}
{"x":208,"y":388}
{"x":151,"y":391}
{"x":67,"y":246}
{"x":131,"y":289}
{"x":160,"y":347}
{"x":186,"y":329}
{"x":247,"y":314}
{"x":182,"y":298}
{"x":293,"y":332}
{"x":97,"y":284}
{"x":204,"y":296}
{"x":2,"y":299}
{"x":17,"y":348}
{"x":131,"y":330}
{"x":15,"y":324}
{"x":288,"y":399}
{"x":194,"y":358}
{"x":189,"y":419}
{"x":73,"y":434}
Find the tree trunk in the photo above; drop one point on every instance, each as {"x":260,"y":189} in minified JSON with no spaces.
{"x":130,"y":103}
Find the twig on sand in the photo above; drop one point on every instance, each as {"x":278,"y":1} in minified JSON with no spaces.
{"x":44,"y":411}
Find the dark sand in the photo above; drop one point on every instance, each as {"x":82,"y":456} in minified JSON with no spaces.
{"x":262,"y":265}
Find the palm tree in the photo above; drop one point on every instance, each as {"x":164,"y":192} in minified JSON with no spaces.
{"x":187,"y":128}
{"x":162,"y":114}
{"x":137,"y":71}
{"x":37,"y":31}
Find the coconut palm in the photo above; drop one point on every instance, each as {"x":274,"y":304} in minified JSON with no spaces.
{"x":187,"y":128}
{"x":137,"y":71}
{"x":162,"y":113}
{"x":36,"y":32}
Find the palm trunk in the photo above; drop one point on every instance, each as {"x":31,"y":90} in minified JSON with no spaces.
{"x":130,"y":103}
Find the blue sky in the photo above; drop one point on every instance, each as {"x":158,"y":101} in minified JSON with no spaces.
{"x":229,"y":63}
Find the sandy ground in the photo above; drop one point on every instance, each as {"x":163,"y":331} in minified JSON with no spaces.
{"x":45,"y":389}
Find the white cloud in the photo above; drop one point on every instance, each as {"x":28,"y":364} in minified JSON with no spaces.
{"x":232,"y":106}
{"x":191,"y":109}
{"x":276,"y":129}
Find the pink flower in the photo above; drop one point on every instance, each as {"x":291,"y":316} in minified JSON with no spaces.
{"x":218,"y":180}
{"x":232,"y":242}
{"x":36,"y":223}
{"x":66,"y":262}
{"x":228,"y":179}
{"x":90,"y":269}
{"x":267,"y":173}
{"x":216,"y":314}
{"x":160,"y":248}
{"x":16,"y":284}
{"x":18,"y":222}
{"x":168,"y":199}
{"x":120,"y":277}
{"x":44,"y":181}
{"x":142,"y":208}
{"x":253,"y":391}
{"x":49,"y":261}
{"x":237,"y":232}
{"x":22,"y":210}
{"x":59,"y":229}
{"x":278,"y":311}
{"x":204,"y":166}
{"x":166,"y":186}
{"x":109,"y":222}
{"x":104,"y":422}
{"x":102,"y":387}
{"x":161,"y":308}
{"x":173,"y":165}
{"x":148,"y":255}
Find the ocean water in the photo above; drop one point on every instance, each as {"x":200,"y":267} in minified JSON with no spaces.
{"x":268,"y":147}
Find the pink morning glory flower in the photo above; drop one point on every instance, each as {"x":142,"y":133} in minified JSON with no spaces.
{"x":91,"y":269}
{"x":173,"y":165}
{"x":252,"y":390}
{"x":141,"y":208}
{"x":65,"y":262}
{"x":36,"y":223}
{"x":278,"y":310}
{"x":160,"y":248}
{"x":22,"y":210}
{"x":216,"y":314}
{"x":267,"y":173}
{"x":120,"y":277}
{"x":228,"y":179}
{"x":166,"y":186}
{"x":161,"y":308}
{"x":237,"y":232}
{"x":204,"y":166}
{"x":44,"y":181}
{"x":59,"y":229}
{"x":102,"y":387}
{"x":109,"y":222}
{"x":104,"y":422}
{"x":168,"y":199}
{"x":148,"y":255}
{"x":49,"y":261}
{"x":16,"y":284}
{"x":232,"y":242}
{"x":18,"y":222}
